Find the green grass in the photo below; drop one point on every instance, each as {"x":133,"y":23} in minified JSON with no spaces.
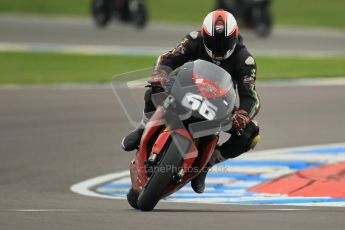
{"x":182,"y":11}
{"x":47,"y":68}
{"x":46,"y":7}
{"x":310,"y":12}
{"x":273,"y":68}
{"x":286,"y":12}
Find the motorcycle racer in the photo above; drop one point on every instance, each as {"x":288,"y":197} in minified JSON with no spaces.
{"x":218,"y":42}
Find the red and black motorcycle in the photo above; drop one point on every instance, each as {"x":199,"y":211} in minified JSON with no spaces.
{"x":183,"y":132}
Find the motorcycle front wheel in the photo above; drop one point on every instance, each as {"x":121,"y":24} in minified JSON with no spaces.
{"x":161,"y":177}
{"x":132,"y":198}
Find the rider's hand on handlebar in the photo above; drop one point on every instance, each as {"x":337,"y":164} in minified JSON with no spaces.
{"x":240,"y":119}
{"x":159,"y":77}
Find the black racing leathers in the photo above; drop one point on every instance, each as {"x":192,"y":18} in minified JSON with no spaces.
{"x":241,"y":66}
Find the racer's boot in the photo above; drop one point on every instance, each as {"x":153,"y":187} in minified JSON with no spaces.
{"x":232,"y":148}
{"x":132,"y":140}
{"x":198,"y":183}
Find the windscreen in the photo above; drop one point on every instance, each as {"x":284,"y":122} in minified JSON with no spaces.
{"x":212,"y":80}
{"x":204,"y":89}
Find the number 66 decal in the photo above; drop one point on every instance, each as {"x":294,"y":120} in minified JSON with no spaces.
{"x":196,"y":102}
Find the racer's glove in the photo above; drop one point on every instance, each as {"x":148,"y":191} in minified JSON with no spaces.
{"x":159,"y":77}
{"x":240,"y":119}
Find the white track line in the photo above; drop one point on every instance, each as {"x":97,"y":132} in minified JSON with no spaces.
{"x":139,"y":84}
{"x":42,"y":210}
{"x":136,"y":50}
{"x":82,"y":49}
{"x":83,"y":188}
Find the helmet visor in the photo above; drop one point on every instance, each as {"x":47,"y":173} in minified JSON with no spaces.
{"x":220,"y":44}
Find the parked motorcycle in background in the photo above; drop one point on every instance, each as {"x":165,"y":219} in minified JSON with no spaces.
{"x":253,"y":14}
{"x":128,"y":11}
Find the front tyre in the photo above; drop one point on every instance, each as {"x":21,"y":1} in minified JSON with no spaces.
{"x":160,"y":179}
{"x":132,"y":198}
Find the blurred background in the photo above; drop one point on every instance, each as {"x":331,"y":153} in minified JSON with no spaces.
{"x":293,"y":12}
{"x":305,"y":34}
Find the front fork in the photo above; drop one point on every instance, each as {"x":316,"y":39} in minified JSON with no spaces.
{"x":186,"y":146}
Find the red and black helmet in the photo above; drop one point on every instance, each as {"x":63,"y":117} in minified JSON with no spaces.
{"x":220,"y":34}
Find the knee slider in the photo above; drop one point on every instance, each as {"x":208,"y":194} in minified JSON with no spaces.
{"x":252,"y":135}
{"x":255,"y":141}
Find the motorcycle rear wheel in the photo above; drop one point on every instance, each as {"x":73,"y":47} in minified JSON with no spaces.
{"x":160,"y":179}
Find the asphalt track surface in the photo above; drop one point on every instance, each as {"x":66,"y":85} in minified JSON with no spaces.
{"x":52,"y":138}
{"x":72,"y":31}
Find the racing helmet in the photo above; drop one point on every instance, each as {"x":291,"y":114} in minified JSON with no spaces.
{"x":220,"y":34}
